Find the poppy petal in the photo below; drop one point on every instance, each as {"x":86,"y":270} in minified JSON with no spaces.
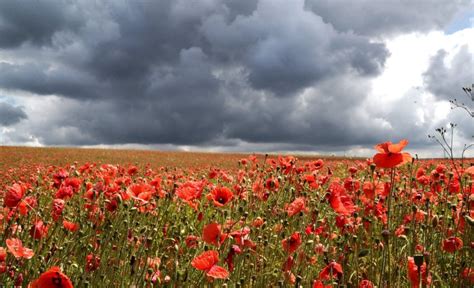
{"x":397,"y":148}
{"x":218,"y":272}
{"x":384,"y":160}
{"x":206,"y":260}
{"x":211,"y":234}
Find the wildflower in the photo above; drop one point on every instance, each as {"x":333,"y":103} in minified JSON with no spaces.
{"x":212,"y":234}
{"x":291,"y":244}
{"x":258,"y":222}
{"x":331,"y":270}
{"x":413,"y":273}
{"x":64,"y":192}
{"x":92,"y":262}
{"x":39,"y":230}
{"x":296,"y":206}
{"x":452,"y":244}
{"x":70,"y":226}
{"x":468,"y":275}
{"x":207,"y":262}
{"x":366,"y":284}
{"x":220,"y":196}
{"x":191,"y":241}
{"x":57,"y":209}
{"x":272,"y":184}
{"x":189,"y":192}
{"x":15,"y":246}
{"x":339,"y":200}
{"x":235,"y":249}
{"x":13,"y":195}
{"x":320,"y":284}
{"x":3,"y":254}
{"x":390,"y":154}
{"x":52,"y":278}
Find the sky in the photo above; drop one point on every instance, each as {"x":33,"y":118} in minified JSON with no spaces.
{"x":314,"y":76}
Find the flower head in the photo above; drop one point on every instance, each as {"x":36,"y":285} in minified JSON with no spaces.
{"x":207,"y":262}
{"x":15,"y":246}
{"x":52,"y":278}
{"x":390,"y":154}
{"x":220,"y":196}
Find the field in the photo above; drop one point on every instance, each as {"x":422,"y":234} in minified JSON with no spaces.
{"x":125,"y":218}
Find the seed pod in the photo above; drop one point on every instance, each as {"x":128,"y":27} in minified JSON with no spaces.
{"x":363,"y":253}
{"x":385,"y":234}
{"x":435,"y":221}
{"x":418,"y":260}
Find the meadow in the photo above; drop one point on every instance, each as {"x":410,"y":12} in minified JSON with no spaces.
{"x":129,"y":218}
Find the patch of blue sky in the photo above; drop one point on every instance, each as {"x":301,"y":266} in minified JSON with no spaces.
{"x":461,"y":21}
{"x":8,"y":100}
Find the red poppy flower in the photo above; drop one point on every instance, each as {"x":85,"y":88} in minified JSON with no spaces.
{"x":320,"y":284}
{"x":297,"y":206}
{"x":191,"y":241}
{"x":212,"y":234}
{"x":140,"y":191}
{"x":189,"y":192}
{"x":452,"y":244}
{"x":366,"y":284}
{"x":291,"y":244}
{"x":413,"y":273}
{"x":220,"y":196}
{"x":70,"y":226}
{"x":15,"y":246}
{"x":331,"y":270}
{"x":39,"y":230}
{"x":64,"y":192}
{"x":390,"y":154}
{"x":3,"y":254}
{"x":92,"y":262}
{"x":57,"y":209}
{"x":288,"y":264}
{"x":470,"y":171}
{"x":468,"y":275}
{"x":14,"y":195}
{"x":272,"y":184}
{"x":235,"y":249}
{"x":339,"y":200}
{"x":207,"y":262}
{"x":52,"y":278}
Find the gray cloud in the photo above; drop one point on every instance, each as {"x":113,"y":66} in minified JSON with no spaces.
{"x":214,"y":72}
{"x":381,"y":18}
{"x":10,"y":115}
{"x":445,"y":81}
{"x":35,"y":21}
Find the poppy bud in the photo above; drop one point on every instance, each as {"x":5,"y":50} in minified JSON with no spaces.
{"x":372,"y":167}
{"x":435,"y":221}
{"x":385,"y":234}
{"x":418,"y":260}
{"x":363,"y":253}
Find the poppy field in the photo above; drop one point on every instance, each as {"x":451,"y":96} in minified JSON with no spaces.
{"x":103,"y":218}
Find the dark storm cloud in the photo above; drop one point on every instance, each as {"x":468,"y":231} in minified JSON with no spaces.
{"x":35,"y":21}
{"x":194,"y":72}
{"x":10,"y":115}
{"x":380,"y":18}
{"x":283,"y":54}
{"x":44,"y":79}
